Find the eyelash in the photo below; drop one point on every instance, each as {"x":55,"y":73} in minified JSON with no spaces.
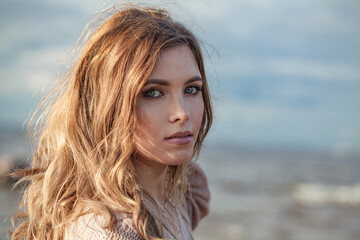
{"x":197,"y":88}
{"x":146,"y":92}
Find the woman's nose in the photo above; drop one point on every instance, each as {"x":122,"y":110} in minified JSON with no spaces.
{"x":178,"y":111}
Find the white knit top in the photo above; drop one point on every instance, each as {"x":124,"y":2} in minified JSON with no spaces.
{"x":195,"y":206}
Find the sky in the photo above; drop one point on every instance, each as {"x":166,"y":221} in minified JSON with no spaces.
{"x":283,"y":74}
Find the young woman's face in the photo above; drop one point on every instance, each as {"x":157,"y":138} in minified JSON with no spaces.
{"x":170,"y":109}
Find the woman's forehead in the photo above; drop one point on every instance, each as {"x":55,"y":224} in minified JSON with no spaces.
{"x":176,"y":61}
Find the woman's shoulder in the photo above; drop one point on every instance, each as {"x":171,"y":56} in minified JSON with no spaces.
{"x":91,"y":227}
{"x":198,"y":195}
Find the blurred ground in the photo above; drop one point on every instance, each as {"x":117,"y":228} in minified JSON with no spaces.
{"x":281,"y":195}
{"x":268,"y":194}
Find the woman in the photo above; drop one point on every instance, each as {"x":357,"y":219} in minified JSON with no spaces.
{"x":113,"y":159}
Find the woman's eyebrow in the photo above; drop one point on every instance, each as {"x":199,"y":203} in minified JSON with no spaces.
{"x":157,"y":81}
{"x":194,"y":79}
{"x":166,"y":83}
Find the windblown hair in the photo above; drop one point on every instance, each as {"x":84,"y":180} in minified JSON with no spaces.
{"x":84,"y":160}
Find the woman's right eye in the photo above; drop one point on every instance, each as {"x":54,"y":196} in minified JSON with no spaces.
{"x":152,"y":93}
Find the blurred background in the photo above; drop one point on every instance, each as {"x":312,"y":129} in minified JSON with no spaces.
{"x":283,"y":157}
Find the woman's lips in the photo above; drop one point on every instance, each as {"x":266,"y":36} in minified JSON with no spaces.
{"x":180,"y":138}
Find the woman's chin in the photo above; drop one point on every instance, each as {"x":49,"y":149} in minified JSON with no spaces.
{"x":166,"y":157}
{"x":176,"y":158}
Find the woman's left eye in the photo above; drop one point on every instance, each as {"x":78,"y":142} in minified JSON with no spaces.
{"x":152,"y":93}
{"x":192,"y":90}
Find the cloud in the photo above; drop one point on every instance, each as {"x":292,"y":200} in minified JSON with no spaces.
{"x":257,"y":15}
{"x":259,"y":123}
{"x":314,"y":69}
{"x":307,"y":68}
{"x":32,"y":71}
{"x":348,"y":138}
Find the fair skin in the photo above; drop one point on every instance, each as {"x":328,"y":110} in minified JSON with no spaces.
{"x":169,"y":112}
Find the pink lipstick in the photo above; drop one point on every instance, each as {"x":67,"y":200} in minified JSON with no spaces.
{"x":180,"y":138}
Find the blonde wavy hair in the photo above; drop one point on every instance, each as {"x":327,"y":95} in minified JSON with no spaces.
{"x":85,"y":155}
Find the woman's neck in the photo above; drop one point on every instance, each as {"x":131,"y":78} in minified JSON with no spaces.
{"x":152,"y":176}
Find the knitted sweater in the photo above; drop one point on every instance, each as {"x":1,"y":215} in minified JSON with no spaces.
{"x":195,"y":206}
